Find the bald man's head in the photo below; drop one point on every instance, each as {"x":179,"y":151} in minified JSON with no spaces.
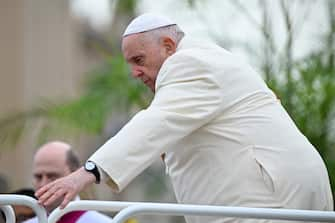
{"x":52,"y":161}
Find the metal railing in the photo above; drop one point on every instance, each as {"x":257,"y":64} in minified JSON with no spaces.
{"x":6,"y":200}
{"x":129,"y":209}
{"x":9,"y":213}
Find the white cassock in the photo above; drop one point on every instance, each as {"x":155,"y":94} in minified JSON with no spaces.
{"x":228,"y":140}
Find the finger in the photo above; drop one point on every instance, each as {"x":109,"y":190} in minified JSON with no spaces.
{"x":42,"y":190}
{"x":57,"y":196}
{"x":47,"y":194}
{"x":68,"y":197}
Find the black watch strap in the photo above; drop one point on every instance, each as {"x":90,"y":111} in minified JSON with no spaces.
{"x":91,"y":167}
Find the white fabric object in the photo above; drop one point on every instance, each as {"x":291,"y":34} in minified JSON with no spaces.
{"x":227,"y":139}
{"x":147,"y":22}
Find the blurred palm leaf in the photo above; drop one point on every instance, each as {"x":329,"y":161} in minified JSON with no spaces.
{"x":108,"y":88}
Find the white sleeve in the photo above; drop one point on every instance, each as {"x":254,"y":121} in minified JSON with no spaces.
{"x":186,"y":98}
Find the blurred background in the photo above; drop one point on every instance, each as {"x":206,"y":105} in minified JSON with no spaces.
{"x":62,"y":75}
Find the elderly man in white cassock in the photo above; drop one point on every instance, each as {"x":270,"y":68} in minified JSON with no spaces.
{"x":226,"y":138}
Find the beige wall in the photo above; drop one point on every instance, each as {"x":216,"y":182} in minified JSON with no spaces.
{"x":11,"y":58}
{"x":49,"y":57}
{"x":41,"y":57}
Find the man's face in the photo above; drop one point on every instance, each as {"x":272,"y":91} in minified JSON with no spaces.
{"x":50,"y":163}
{"x":48,"y":167}
{"x":145,"y":57}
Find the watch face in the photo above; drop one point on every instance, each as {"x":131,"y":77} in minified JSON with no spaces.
{"x":89,"y":166}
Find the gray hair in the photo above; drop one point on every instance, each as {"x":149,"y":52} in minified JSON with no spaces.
{"x":172,"y":31}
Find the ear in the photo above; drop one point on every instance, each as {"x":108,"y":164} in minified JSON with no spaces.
{"x":169,"y":45}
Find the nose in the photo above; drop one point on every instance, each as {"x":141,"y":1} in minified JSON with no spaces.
{"x":136,"y":72}
{"x":43,"y":181}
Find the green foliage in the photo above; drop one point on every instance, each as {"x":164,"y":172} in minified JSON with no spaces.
{"x":125,"y":6}
{"x":108,"y":88}
{"x":112,"y":82}
{"x":312,"y":97}
{"x":12,"y":126}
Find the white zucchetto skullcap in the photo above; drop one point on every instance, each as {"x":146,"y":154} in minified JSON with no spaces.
{"x":147,"y":22}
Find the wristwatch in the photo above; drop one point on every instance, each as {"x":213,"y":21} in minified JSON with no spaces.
{"x":92,"y":168}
